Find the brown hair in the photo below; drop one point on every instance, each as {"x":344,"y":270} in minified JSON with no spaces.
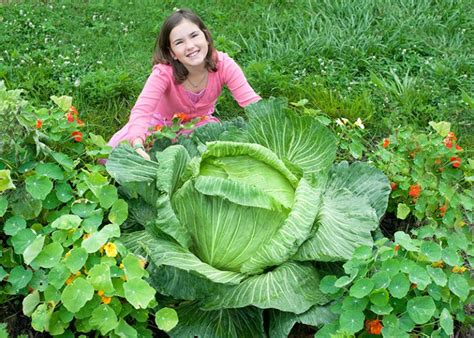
{"x":162,"y":53}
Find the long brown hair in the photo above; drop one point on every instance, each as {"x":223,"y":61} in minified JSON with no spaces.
{"x":162,"y":53}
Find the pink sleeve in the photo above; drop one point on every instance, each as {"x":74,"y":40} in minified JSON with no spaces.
{"x":142,"y":111}
{"x":235,"y":80}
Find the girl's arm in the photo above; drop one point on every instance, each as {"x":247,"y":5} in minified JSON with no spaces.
{"x":238,"y":85}
{"x":142,"y":111}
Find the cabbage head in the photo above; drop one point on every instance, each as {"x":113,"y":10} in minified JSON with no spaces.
{"x":235,"y":217}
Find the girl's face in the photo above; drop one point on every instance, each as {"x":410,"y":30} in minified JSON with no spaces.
{"x":189,"y":45}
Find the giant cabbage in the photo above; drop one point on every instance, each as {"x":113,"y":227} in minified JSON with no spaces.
{"x":234,"y":220}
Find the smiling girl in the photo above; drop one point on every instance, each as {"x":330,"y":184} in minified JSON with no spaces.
{"x":187,"y":77}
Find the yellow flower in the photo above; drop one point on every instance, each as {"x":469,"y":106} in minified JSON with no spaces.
{"x":456,"y":269}
{"x":438,"y":264}
{"x":106,"y":300}
{"x":121,"y":266}
{"x":70,"y":279}
{"x":462,"y":269}
{"x":143,"y":263}
{"x":100,"y":292}
{"x":67,"y":254}
{"x":110,"y":249}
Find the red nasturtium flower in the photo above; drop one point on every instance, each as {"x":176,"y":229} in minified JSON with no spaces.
{"x":458,"y":148}
{"x":393,"y":186}
{"x":386,"y":142}
{"x":373,"y":326}
{"x":39,"y":123}
{"x":77,"y":135}
{"x":414,"y":191}
{"x":452,"y":136}
{"x":73,"y":111}
{"x":80,"y":123}
{"x":442,"y":210}
{"x":455,"y":161}
{"x":69,"y":117}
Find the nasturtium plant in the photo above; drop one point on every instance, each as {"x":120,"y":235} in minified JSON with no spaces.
{"x":234,"y":215}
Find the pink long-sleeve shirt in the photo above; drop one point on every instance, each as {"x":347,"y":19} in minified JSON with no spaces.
{"x":162,"y":97}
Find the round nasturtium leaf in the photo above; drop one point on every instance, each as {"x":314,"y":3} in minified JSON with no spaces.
{"x":30,"y":302}
{"x":419,"y":276}
{"x":13,"y":225}
{"x":446,"y":321}
{"x":123,"y":329}
{"x":22,"y":240}
{"x":391,"y":266}
{"x":351,"y":321}
{"x":107,"y":196}
{"x":99,"y":277}
{"x":41,"y":317}
{"x":379,"y":297}
{"x":50,"y":170}
{"x":5,"y":180}
{"x":361,"y":288}
{"x":406,"y":241}
{"x":459,"y":286}
{"x":119,"y":212}
{"x":326,"y":285}
{"x":19,"y":277}
{"x":83,"y":209}
{"x":64,"y":192}
{"x":58,"y":275}
{"x":343,"y":281}
{"x":356,"y":304}
{"x":381,"y":280}
{"x":402,"y":211}
{"x":51,"y":201}
{"x":363,"y":252}
{"x":399,"y":286}
{"x":381,"y":310}
{"x":33,"y":249}
{"x":77,"y":294}
{"x":431,"y":250}
{"x":421,"y":309}
{"x":38,"y":186}
{"x":166,"y":319}
{"x":133,"y":267}
{"x":451,"y":257}
{"x":138,"y":293}
{"x":434,"y":291}
{"x":104,"y":319}
{"x":76,"y":259}
{"x":67,"y":222}
{"x":437,"y":275}
{"x":49,"y":256}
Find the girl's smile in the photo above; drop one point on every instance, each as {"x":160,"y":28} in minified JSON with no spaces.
{"x":189,"y":45}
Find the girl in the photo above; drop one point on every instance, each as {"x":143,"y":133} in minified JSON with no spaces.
{"x":187,"y":77}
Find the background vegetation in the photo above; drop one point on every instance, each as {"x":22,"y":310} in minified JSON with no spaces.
{"x":387,"y":62}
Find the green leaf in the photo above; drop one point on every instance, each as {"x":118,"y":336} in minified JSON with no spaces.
{"x":132,"y":267}
{"x":58,"y":275}
{"x":33,"y":249}
{"x":442,"y":128}
{"x":64,"y":192}
{"x":446,"y":321}
{"x":99,"y":277}
{"x":138,"y":293}
{"x":83,"y":209}
{"x":19,"y":277}
{"x":166,"y":319}
{"x":124,"y":330}
{"x":421,"y":309}
{"x":67,"y":222}
{"x":352,"y":321}
{"x":98,"y":239}
{"x":379,"y":297}
{"x":326,"y":284}
{"x":38,"y":186}
{"x":104,"y":319}
{"x":64,"y":160}
{"x":247,"y":322}
{"x":30,"y":302}
{"x":107,"y":196}
{"x":49,"y":256}
{"x":351,"y":303}
{"x":459,"y":286}
{"x":119,"y":212}
{"x":363,"y":252}
{"x":50,"y":170}
{"x":3,"y":205}
{"x":391,"y":266}
{"x":76,"y":294}
{"x":41,"y":317}
{"x":381,"y":279}
{"x":420,"y":277}
{"x":399,"y":286}
{"x":63,"y":102}
{"x":431,"y":250}
{"x":13,"y":225}
{"x":76,"y":259}
{"x":361,"y":288}
{"x":381,"y":310}
{"x":402,"y":211}
{"x":5,"y":180}
{"x":405,"y":241}
{"x":451,"y":257}
{"x":438,"y":275}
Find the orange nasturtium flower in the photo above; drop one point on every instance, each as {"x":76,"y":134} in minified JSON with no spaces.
{"x":442,"y":210}
{"x":396,"y":248}
{"x":73,"y":111}
{"x":39,"y":123}
{"x":373,"y":326}
{"x":182,"y":116}
{"x":110,"y":249}
{"x":414,"y":191}
{"x":386,"y":142}
{"x":393,"y":186}
{"x":80,"y":123}
{"x":455,"y":161}
{"x":69,"y":117}
{"x":458,"y":148}
{"x":106,"y":300}
{"x":77,"y":136}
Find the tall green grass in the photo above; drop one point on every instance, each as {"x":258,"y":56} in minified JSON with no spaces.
{"x":388,"y":62}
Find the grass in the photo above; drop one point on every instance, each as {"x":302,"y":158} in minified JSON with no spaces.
{"x":388,"y":62}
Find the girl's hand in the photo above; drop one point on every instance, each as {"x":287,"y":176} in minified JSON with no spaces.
{"x":138,"y":145}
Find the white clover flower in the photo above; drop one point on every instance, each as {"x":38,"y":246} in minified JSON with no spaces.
{"x":359,"y":123}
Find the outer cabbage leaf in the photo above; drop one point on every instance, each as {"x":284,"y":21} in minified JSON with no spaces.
{"x":347,"y":214}
{"x":291,"y":287}
{"x":299,"y":140}
{"x":246,"y":322}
